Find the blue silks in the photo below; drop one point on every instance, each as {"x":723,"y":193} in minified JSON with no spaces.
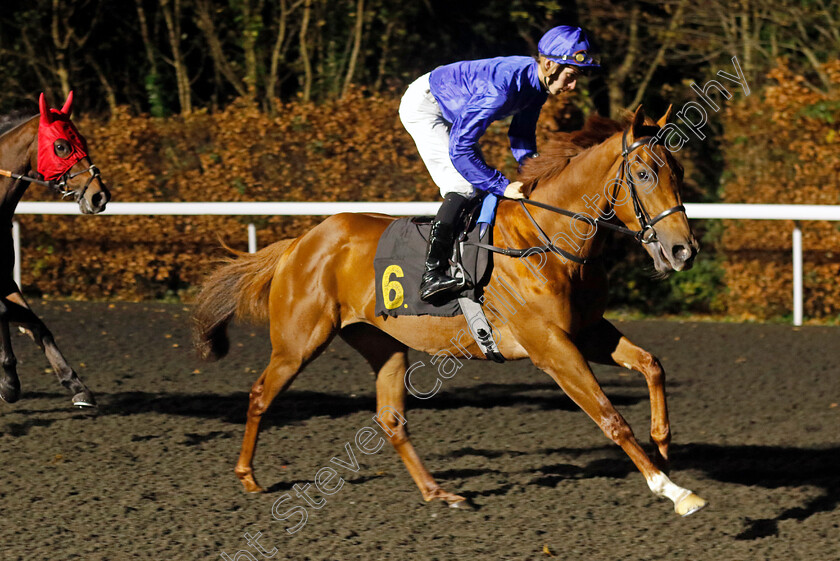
{"x":473,"y":94}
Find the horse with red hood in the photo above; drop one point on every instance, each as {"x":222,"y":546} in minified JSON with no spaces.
{"x":47,"y":150}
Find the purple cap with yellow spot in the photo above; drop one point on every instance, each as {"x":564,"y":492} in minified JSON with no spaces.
{"x":567,"y":45}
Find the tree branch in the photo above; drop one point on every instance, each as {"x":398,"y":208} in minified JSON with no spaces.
{"x":204,"y":21}
{"x":670,"y":36}
{"x":357,"y":43}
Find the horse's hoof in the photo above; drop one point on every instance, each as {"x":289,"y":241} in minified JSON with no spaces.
{"x":250,"y":484}
{"x":84,"y":400}
{"x":463,"y":504}
{"x":689,"y":504}
{"x":26,"y":332}
{"x":10,"y":391}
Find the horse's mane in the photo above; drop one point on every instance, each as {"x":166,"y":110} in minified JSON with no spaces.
{"x":13,"y":119}
{"x":556,"y":153}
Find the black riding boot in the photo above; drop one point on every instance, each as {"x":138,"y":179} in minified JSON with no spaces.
{"x":436,"y":279}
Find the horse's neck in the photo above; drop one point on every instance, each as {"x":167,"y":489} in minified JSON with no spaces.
{"x":15,"y":148}
{"x":17,"y":144}
{"x":579,"y":188}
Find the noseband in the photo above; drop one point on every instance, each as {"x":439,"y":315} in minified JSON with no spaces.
{"x":61,"y":184}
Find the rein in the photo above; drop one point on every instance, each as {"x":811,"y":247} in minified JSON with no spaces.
{"x":646,"y":235}
{"x":59,"y":186}
{"x":6,"y":173}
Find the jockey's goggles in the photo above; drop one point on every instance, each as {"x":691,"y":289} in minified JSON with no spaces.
{"x":580,"y":58}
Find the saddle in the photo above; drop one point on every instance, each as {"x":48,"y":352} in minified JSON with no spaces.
{"x":399,"y":265}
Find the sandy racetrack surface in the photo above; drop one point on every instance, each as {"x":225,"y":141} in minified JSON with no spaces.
{"x":754,"y":422}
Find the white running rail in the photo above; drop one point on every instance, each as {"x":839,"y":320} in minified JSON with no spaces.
{"x":715,"y":211}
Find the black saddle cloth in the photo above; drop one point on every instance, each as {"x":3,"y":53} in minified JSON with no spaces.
{"x":399,"y":265}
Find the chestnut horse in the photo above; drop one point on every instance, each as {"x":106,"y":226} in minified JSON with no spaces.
{"x":63,"y":157}
{"x":322,"y":284}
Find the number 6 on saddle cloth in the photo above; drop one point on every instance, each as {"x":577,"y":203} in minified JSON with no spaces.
{"x":399,"y":266}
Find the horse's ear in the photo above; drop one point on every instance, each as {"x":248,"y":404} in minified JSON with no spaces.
{"x":68,"y":104}
{"x":661,"y":122}
{"x":46,"y":118}
{"x":638,"y":121}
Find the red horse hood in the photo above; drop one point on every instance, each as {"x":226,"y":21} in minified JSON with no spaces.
{"x":55,"y":125}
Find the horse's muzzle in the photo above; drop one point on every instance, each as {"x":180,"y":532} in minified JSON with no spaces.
{"x":95,"y":203}
{"x":684,"y":254}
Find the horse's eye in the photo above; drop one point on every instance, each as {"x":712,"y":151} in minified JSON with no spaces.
{"x":62,"y":148}
{"x":643,"y":175}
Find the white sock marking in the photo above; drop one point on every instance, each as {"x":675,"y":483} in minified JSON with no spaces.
{"x":664,"y":487}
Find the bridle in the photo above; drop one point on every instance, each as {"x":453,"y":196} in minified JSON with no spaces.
{"x":60,"y":185}
{"x":646,"y":235}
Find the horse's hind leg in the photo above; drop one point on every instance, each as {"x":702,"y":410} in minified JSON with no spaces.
{"x":604,"y":344}
{"x":277,"y":376}
{"x":18,"y":312}
{"x":292,"y":349}
{"x":9,"y":381}
{"x":388,"y":358}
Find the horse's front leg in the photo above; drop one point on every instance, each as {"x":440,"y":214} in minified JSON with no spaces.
{"x":18,"y":312}
{"x":551,"y":350}
{"x":604,"y":344}
{"x":9,"y":381}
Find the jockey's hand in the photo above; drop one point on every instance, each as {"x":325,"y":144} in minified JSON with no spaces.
{"x":514,"y":190}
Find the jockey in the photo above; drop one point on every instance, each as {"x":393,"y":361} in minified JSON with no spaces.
{"x":447,"y":110}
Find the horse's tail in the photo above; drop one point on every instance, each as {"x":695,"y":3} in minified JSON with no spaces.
{"x":239,"y":288}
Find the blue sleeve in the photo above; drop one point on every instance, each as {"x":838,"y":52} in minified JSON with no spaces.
{"x":522,"y":132}
{"x":475,"y":117}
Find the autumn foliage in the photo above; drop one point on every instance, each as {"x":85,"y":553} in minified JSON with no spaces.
{"x":783,"y":147}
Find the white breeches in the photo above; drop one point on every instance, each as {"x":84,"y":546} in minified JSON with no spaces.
{"x":422,"y":118}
